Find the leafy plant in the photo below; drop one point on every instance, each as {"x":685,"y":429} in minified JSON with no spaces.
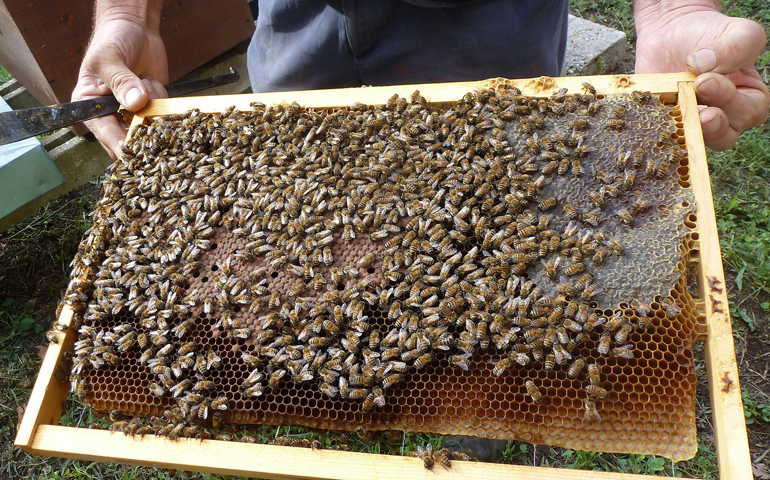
{"x":755,"y":410}
{"x":17,"y":323}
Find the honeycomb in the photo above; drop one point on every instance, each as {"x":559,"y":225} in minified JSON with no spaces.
{"x":501,"y":266}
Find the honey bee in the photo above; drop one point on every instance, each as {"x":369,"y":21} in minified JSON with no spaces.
{"x":126,"y":342}
{"x":377,"y":397}
{"x":575,"y":269}
{"x":547,"y":204}
{"x":423,"y":360}
{"x":597,"y":197}
{"x":577,"y":167}
{"x":599,"y":256}
{"x":501,"y":366}
{"x":367,"y":260}
{"x":550,"y":360}
{"x":576,"y":368}
{"x":594,"y":374}
{"x":622,"y":334}
{"x":644,"y":322}
{"x":551,"y":267}
{"x":673,"y":308}
{"x":156,"y":389}
{"x":625,"y":352}
{"x":52,"y":336}
{"x":213,"y":360}
{"x":550,"y":167}
{"x":626,"y":216}
{"x":591,"y":412}
{"x":328,"y":390}
{"x":570,"y":211}
{"x":604,"y":344}
{"x":617,"y":321}
{"x":561,"y":355}
{"x":589,"y":88}
{"x":426,"y":455}
{"x":461,"y":361}
{"x":650,"y":171}
{"x":579,"y":124}
{"x":533,"y":391}
{"x":595,"y":391}
{"x":616,"y":124}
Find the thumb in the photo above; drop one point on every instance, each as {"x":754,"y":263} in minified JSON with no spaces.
{"x":738,"y":45}
{"x":125,"y":85}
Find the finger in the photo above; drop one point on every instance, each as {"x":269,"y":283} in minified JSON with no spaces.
{"x":717,"y":132}
{"x":128,"y":88}
{"x":110,"y":131}
{"x":738,"y":45}
{"x":154,"y":88}
{"x":745,"y":105}
{"x":85,"y":90}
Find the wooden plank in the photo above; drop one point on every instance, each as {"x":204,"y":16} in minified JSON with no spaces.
{"x":269,"y":461}
{"x":17,"y":58}
{"x":726,"y":404}
{"x":435,"y":92}
{"x":45,"y":403}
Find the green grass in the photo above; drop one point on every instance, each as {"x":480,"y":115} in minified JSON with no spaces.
{"x":703,"y":465}
{"x":741,"y":182}
{"x":757,"y":10}
{"x":4,"y":75}
{"x":617,"y":14}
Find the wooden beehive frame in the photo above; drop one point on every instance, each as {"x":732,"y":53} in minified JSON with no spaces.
{"x":39,"y":433}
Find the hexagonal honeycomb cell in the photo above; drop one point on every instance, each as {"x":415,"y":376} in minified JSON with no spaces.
{"x":502,"y":266}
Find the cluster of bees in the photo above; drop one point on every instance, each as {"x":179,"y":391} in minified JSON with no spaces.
{"x":472,"y":246}
{"x":443,"y":457}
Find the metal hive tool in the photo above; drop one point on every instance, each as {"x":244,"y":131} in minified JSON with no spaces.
{"x":393,"y":168}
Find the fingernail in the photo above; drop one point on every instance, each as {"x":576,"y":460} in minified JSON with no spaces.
{"x":712,"y":124}
{"x":708,"y":87}
{"x":132,"y":96}
{"x":705,"y":60}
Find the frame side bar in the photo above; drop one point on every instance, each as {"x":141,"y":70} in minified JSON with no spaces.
{"x":726,"y":404}
{"x":45,"y":403}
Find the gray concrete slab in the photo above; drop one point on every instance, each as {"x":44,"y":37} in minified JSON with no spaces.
{"x":9,"y":86}
{"x":20,"y":99}
{"x":591,"y":46}
{"x":57,"y":138}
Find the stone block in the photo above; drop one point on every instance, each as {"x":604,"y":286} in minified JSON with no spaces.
{"x":20,"y":99}
{"x":589,"y":42}
{"x":57,"y":138}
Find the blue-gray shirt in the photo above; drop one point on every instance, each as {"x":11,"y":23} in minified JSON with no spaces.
{"x":311,"y":44}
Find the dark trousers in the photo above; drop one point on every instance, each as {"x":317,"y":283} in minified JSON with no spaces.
{"x":311,"y":44}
